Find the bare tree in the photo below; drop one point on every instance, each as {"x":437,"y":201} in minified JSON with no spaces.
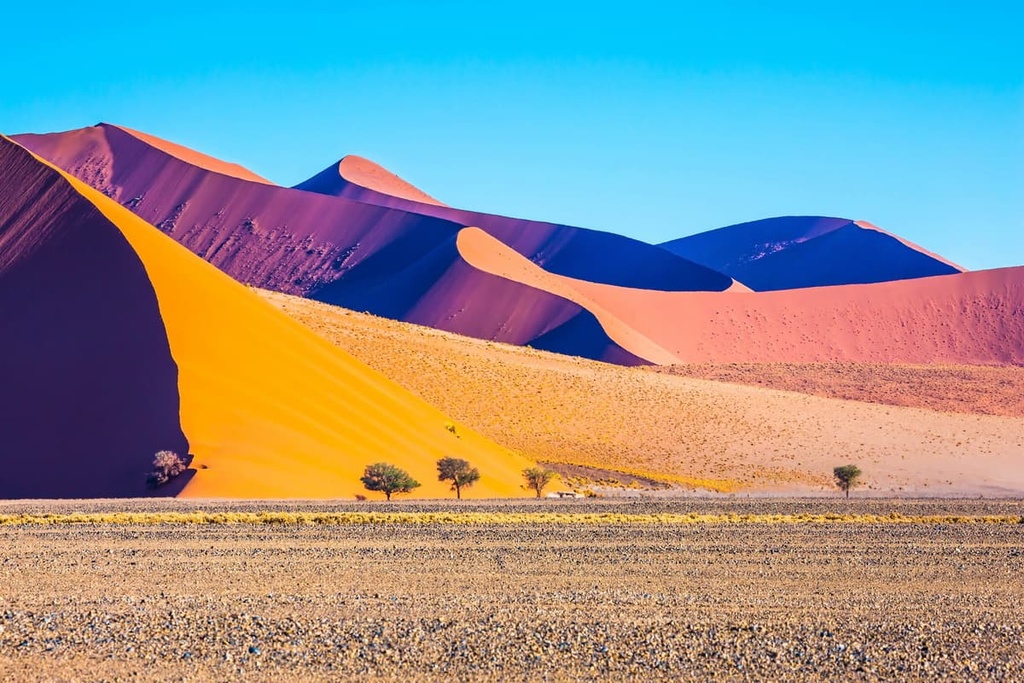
{"x":537,"y":478}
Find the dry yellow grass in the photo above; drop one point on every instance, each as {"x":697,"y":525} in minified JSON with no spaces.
{"x":513,"y":518}
{"x":568,"y":410}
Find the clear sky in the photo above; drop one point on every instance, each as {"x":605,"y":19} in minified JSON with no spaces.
{"x":655,"y":120}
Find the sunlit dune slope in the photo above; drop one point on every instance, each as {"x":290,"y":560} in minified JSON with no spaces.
{"x":789,"y":252}
{"x":571,"y":410}
{"x":974,"y":317}
{"x":361,"y":179}
{"x":268,"y":409}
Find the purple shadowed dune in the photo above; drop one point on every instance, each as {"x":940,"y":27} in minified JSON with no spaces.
{"x":792,"y":252}
{"x":90,"y":390}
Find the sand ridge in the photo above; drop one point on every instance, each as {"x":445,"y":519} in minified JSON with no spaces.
{"x":363,"y":172}
{"x":195,"y":158}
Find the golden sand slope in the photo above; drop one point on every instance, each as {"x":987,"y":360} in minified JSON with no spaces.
{"x":571,"y":410}
{"x":273,"y":411}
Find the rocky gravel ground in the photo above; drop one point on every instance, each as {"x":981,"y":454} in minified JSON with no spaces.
{"x":504,"y":602}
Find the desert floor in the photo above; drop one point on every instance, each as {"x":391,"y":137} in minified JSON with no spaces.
{"x":537,"y":601}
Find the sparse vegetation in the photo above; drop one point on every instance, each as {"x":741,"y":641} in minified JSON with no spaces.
{"x":387,"y":479}
{"x":459,"y":472}
{"x":166,"y":466}
{"x":846,"y":477}
{"x":537,"y":478}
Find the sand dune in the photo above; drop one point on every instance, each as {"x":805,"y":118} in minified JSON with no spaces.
{"x":361,"y":179}
{"x":365,"y":256}
{"x":571,"y":410}
{"x":975,"y":317}
{"x":809,"y":251}
{"x":120,"y":342}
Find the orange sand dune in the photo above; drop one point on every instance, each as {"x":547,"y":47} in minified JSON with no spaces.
{"x":269,"y":409}
{"x":570,"y":410}
{"x":974,"y":317}
{"x":197,"y":158}
{"x":366,"y":173}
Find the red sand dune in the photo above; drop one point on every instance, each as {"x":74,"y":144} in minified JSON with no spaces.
{"x":117,"y":342}
{"x":396,"y":263}
{"x":975,"y":317}
{"x":809,"y":251}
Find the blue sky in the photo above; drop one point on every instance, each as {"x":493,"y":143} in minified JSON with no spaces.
{"x":654,"y":120}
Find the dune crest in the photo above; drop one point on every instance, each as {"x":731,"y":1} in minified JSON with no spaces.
{"x":195,"y":158}
{"x":489,"y":255}
{"x":370,"y":175}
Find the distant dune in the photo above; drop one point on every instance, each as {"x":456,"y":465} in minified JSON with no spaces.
{"x":809,"y":251}
{"x":116,"y":342}
{"x":570,"y":410}
{"x":363,"y":180}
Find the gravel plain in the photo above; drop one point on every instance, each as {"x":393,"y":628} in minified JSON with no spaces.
{"x":738,"y":601}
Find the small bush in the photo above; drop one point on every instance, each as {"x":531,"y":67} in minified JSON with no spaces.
{"x":166,"y":466}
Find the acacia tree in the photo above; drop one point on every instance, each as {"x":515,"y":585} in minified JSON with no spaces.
{"x":847,"y":477}
{"x":537,"y":478}
{"x":458,"y":472}
{"x":387,"y":479}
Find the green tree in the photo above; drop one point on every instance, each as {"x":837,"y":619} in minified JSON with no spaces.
{"x":458,"y":472}
{"x":846,"y":477}
{"x":387,"y":479}
{"x":537,"y":478}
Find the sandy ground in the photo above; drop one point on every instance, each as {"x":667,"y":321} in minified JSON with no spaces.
{"x":570,"y":410}
{"x":498,"y":602}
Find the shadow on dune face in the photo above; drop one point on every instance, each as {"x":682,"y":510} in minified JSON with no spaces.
{"x":89,"y":387}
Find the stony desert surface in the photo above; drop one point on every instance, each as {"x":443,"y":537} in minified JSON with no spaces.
{"x":527,"y":601}
{"x":703,"y":433}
